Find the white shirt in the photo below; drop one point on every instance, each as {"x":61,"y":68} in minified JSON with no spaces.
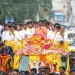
{"x":1,"y":28}
{"x":59,"y":38}
{"x":29,"y":32}
{"x":50,"y":35}
{"x":16,"y":36}
{"x":6,"y":35}
{"x":21,"y":34}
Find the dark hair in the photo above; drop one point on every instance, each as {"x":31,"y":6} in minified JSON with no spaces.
{"x":22,"y":72}
{"x":16,"y":70}
{"x":26,"y":72}
{"x":43,"y":71}
{"x":1,"y":44}
{"x":29,"y":22}
{"x":40,"y":21}
{"x":57,"y":25}
{"x":0,"y":38}
{"x":39,"y":74}
{"x":72,"y":70}
{"x":35,"y":22}
{"x":34,"y":70}
{"x":44,"y":20}
{"x":6,"y":25}
{"x":47,"y":23}
{"x":62,"y":67}
{"x":47,"y":68}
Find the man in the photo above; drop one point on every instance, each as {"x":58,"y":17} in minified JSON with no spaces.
{"x":33,"y":71}
{"x":48,"y":25}
{"x":50,"y":34}
{"x":15,"y":72}
{"x":6,"y":50}
{"x":1,"y":27}
{"x":6,"y":34}
{"x":41,"y":30}
{"x":72,"y":71}
{"x":21,"y":32}
{"x":47,"y":69}
{"x":62,"y":34}
{"x":2,"y":73}
{"x":40,"y":22}
{"x":62,"y":70}
{"x":30,"y":30}
{"x":35,"y":24}
{"x":15,"y":34}
{"x":57,"y":31}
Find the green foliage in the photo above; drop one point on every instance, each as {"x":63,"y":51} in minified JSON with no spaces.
{"x":23,"y":9}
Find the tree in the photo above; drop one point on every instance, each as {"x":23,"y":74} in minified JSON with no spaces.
{"x":45,"y":6}
{"x":23,"y":9}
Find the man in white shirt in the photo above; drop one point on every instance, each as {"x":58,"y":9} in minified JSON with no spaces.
{"x":50,"y":34}
{"x":30,"y":30}
{"x":62,"y":35}
{"x":1,"y":27}
{"x":6,"y":34}
{"x":15,"y":33}
{"x":21,"y":32}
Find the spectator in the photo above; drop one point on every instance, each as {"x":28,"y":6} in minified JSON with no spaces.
{"x":33,"y":71}
{"x":72,"y":71}
{"x":15,"y":72}
{"x":47,"y":69}
{"x":2,"y":73}
{"x":0,"y":39}
{"x":35,"y":24}
{"x":6,"y":50}
{"x":26,"y":72}
{"x":22,"y":73}
{"x":62,"y":70}
{"x":43,"y":72}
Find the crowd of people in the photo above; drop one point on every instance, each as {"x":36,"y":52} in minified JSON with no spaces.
{"x":41,"y":71}
{"x":20,"y":31}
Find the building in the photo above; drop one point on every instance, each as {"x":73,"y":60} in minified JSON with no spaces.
{"x":61,"y":10}
{"x":73,"y":11}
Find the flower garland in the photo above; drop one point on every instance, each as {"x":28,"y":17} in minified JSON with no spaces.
{"x":36,"y":45}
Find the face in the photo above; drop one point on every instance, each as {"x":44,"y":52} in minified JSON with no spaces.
{"x":25,"y":26}
{"x":30,"y":25}
{"x":48,"y":26}
{"x":35,"y":25}
{"x":52,"y":28}
{"x":61,"y":70}
{"x":62,"y":29}
{"x":48,"y":71}
{"x":12,"y":29}
{"x":6,"y":28}
{"x":73,"y":73}
{"x":40,"y":23}
{"x":18,"y":27}
{"x":14,"y":73}
{"x":43,"y":73}
{"x":3,"y":47}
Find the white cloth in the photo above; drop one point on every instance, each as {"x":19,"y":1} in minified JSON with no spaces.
{"x":16,"y":36}
{"x":50,"y":35}
{"x":59,"y":38}
{"x":1,"y":28}
{"x":6,"y":35}
{"x":29,"y":32}
{"x":21,"y":34}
